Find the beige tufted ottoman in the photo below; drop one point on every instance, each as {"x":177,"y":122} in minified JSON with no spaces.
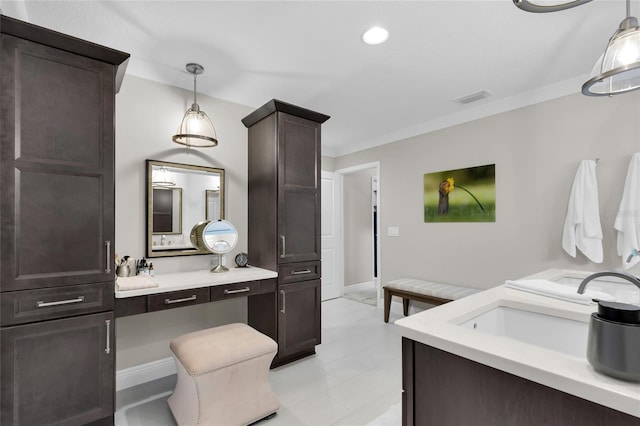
{"x":223,"y":376}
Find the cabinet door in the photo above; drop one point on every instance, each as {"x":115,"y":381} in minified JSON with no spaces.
{"x":298,"y":189}
{"x":298,"y":317}
{"x":58,"y":372}
{"x":56,"y":167}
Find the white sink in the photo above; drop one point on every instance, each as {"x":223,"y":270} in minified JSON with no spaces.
{"x":621,"y":289}
{"x":548,"y":331}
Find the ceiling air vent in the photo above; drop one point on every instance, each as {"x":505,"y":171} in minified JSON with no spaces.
{"x":474,"y":97}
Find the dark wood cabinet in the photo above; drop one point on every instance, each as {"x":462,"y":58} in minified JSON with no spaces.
{"x":57,"y":100}
{"x":58,"y":372}
{"x":298,"y":317}
{"x":284,"y":223}
{"x":443,"y":389}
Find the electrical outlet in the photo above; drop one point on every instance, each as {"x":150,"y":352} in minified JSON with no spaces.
{"x":393,"y":231}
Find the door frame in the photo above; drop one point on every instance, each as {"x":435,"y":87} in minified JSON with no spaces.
{"x":375,"y":277}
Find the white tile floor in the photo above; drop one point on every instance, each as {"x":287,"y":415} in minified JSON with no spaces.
{"x":354,"y":378}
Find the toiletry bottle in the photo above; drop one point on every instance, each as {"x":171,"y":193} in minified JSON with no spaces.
{"x":150,"y":269}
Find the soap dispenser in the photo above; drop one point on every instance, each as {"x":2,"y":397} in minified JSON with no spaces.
{"x":613,"y":346}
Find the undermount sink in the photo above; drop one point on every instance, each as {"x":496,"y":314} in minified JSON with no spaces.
{"x":621,"y":289}
{"x":548,"y":331}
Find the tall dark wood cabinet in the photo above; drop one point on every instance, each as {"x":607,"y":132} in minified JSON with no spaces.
{"x":57,"y":100}
{"x":284,"y":224}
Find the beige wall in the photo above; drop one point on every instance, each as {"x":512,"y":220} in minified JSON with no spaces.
{"x":147,"y":115}
{"x":328,"y":164}
{"x":358,"y":227}
{"x":536,"y":151}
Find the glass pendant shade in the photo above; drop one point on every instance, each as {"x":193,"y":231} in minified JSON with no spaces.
{"x":618,"y":68}
{"x":162,"y":177}
{"x":196,"y":129}
{"x":543,"y":6}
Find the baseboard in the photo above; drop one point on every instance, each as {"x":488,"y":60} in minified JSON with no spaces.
{"x":139,"y":374}
{"x":358,"y":287}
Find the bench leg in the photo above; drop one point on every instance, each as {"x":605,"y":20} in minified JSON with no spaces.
{"x":387,"y":305}
{"x":405,"y":306}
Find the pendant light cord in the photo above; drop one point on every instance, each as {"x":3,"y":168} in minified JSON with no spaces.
{"x":194,"y":86}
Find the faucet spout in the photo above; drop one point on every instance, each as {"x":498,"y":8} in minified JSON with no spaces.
{"x":632,"y":279}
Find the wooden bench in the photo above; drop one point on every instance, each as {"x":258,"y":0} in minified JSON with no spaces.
{"x":422,"y":291}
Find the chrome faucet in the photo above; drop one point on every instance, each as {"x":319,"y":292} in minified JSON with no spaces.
{"x":632,"y":279}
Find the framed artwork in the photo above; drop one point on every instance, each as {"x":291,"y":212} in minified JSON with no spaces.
{"x":461,"y":195}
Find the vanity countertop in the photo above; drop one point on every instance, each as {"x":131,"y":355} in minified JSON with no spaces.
{"x":438,"y":327}
{"x":197,"y":279}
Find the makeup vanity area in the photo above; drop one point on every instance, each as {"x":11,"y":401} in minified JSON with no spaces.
{"x":192,"y":288}
{"x":57,"y":266}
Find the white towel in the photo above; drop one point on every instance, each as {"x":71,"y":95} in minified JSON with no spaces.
{"x":582,"y":227}
{"x":559,"y":291}
{"x":136,"y":282}
{"x":628,"y":217}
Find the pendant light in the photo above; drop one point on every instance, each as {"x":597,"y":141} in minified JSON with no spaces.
{"x":541,"y":6}
{"x":618,"y":69}
{"x":162,"y":177}
{"x":196,"y":129}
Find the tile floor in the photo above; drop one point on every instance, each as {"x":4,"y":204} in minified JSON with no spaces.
{"x":354,"y":378}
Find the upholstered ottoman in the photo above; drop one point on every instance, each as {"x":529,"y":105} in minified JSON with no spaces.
{"x":223,"y":376}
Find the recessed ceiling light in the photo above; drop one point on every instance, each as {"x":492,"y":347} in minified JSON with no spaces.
{"x":375,"y":35}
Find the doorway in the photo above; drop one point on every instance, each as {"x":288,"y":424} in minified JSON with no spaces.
{"x":360,"y":207}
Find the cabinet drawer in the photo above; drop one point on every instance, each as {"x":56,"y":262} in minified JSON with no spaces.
{"x":299,"y":271}
{"x":177,"y":299}
{"x":228,"y":291}
{"x":21,"y":307}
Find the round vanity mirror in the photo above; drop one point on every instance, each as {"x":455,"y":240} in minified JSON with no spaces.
{"x":218,"y":237}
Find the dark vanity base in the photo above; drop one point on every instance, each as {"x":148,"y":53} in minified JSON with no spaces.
{"x":442,"y":389}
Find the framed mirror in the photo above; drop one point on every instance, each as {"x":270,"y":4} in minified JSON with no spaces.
{"x":178,"y":197}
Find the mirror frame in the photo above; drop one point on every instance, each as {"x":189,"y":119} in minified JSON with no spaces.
{"x":149,"y":207}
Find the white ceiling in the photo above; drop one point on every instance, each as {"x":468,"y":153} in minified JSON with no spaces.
{"x":310,"y":53}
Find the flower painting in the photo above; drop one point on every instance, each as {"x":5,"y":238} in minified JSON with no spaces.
{"x":461,"y":195}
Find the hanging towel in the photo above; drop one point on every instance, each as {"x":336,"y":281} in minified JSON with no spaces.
{"x":582,"y":227}
{"x":628,"y":218}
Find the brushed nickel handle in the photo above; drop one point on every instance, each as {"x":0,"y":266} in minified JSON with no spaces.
{"x":42,"y":304}
{"x":301,"y":272}
{"x":108,"y":246}
{"x":284,"y":246}
{"x":284,"y":302}
{"x":107,"y":349}
{"x":241,"y":290}
{"x":186,"y":299}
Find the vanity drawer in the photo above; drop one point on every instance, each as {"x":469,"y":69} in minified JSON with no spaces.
{"x":177,"y":299}
{"x":298,"y":271}
{"x":228,"y":291}
{"x":21,"y":307}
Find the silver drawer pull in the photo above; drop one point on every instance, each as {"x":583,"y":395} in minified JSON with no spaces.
{"x":284,"y":246}
{"x":108,"y":324}
{"x":284,"y":302}
{"x":186,"y":299}
{"x":108,"y":250}
{"x":240,"y":290}
{"x":42,"y":304}
{"x":300,"y":272}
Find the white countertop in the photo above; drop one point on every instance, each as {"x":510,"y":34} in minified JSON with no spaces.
{"x":197,"y":279}
{"x":438,"y":327}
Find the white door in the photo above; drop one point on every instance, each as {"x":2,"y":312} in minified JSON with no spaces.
{"x":331,"y":241}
